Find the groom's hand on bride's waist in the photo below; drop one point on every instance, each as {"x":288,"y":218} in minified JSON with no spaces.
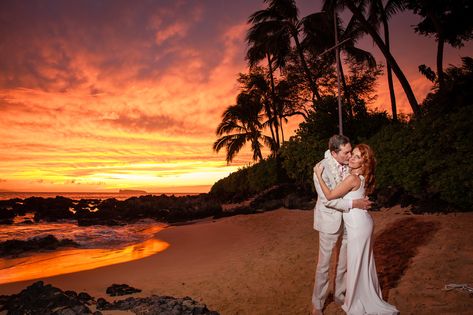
{"x":363,"y":203}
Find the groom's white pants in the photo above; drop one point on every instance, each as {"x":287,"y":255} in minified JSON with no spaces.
{"x":327,"y":244}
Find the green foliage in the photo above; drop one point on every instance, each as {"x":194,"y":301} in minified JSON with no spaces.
{"x":430,"y":156}
{"x":299,"y":157}
{"x":248,"y":181}
{"x":302,"y":151}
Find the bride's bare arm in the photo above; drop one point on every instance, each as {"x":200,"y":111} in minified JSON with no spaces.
{"x":347,"y":185}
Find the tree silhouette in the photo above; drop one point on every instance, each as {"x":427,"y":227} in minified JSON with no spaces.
{"x":450,"y":21}
{"x":280,"y":20}
{"x":358,"y":10}
{"x":320,"y":38}
{"x":245,"y":122}
{"x":379,"y":14}
{"x":274,"y":47}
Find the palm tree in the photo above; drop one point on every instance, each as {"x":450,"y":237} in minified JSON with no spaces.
{"x":241,"y":124}
{"x":358,"y":13}
{"x":256,"y":84}
{"x":289,"y":103}
{"x":320,"y":39}
{"x":449,"y":20}
{"x":379,"y":14}
{"x":279,"y":99}
{"x":280,"y":20}
{"x":274,"y":48}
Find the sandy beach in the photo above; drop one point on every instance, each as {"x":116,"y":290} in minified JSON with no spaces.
{"x":264,"y":264}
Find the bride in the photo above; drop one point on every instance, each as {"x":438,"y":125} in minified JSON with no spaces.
{"x":363,"y":295}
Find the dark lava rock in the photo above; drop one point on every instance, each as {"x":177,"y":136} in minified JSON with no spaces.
{"x":6,"y":216}
{"x":48,"y":209}
{"x":48,"y":300}
{"x":49,"y":242}
{"x":103,"y":304}
{"x":160,"y":305}
{"x":162,"y":208}
{"x":43,"y":299}
{"x":85,"y":297}
{"x":121,"y":289}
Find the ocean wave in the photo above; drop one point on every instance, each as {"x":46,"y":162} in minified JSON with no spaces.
{"x":95,"y":236}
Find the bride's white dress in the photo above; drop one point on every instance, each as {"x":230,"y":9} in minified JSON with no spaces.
{"x":363,"y":295}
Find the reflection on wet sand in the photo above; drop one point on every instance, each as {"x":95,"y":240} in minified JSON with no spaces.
{"x":49,"y":264}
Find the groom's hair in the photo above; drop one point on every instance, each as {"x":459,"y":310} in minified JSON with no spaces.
{"x":336,"y":141}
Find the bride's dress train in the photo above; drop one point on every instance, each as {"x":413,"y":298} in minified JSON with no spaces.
{"x":363,"y":295}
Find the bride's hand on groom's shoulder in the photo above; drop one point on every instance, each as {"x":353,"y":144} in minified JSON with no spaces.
{"x":318,"y":168}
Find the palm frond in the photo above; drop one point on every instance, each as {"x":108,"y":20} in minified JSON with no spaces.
{"x":360,"y":56}
{"x":259,"y":16}
{"x":269,"y":142}
{"x":228,"y":126}
{"x":283,"y":8}
{"x":256,"y":148}
{"x":234,"y":146}
{"x":221,"y":142}
{"x":353,"y":30}
{"x":393,"y":7}
{"x":318,"y":32}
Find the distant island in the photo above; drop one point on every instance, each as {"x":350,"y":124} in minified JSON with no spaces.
{"x":131,"y":191}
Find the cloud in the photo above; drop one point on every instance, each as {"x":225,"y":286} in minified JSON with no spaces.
{"x":139,"y":121}
{"x":174,"y":30}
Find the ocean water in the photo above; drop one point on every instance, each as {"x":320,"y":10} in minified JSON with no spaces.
{"x":99,"y":245}
{"x":88,"y":237}
{"x":95,"y":236}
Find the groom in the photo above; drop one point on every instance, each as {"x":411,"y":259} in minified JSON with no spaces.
{"x":328,"y":220}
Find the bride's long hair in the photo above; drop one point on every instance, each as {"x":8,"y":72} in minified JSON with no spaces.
{"x":368,"y":166}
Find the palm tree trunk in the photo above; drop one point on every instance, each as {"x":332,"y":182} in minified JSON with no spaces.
{"x":440,"y":76}
{"x":388,"y":65}
{"x":268,"y":110}
{"x":387,"y":54}
{"x":276,"y":131}
{"x":282,"y":130}
{"x":440,"y":45}
{"x":391,"y":91}
{"x":312,"y":84}
{"x":346,"y":92}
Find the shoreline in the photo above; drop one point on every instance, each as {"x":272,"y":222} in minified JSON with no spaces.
{"x":264,"y":264}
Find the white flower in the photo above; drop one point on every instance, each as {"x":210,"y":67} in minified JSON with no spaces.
{"x":333,"y":169}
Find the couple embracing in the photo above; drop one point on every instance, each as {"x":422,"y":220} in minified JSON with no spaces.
{"x":343,"y":179}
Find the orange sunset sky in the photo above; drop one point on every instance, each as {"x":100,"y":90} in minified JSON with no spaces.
{"x":101,"y":95}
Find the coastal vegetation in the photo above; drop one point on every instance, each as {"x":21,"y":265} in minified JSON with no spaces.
{"x":422,"y":158}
